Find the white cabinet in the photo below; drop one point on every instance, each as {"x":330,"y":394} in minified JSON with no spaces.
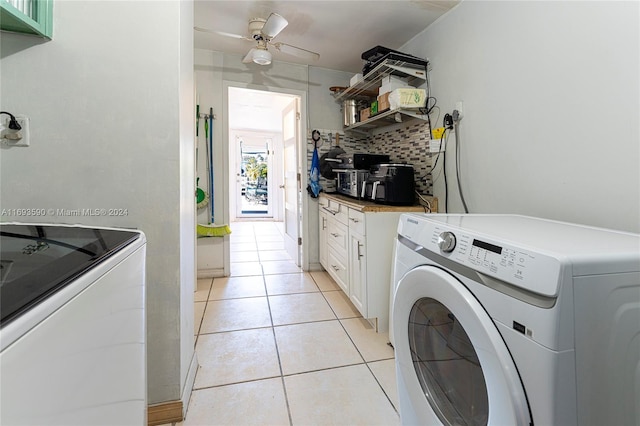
{"x":356,"y":249}
{"x":358,"y":272}
{"x":322,"y":223}
{"x":334,"y":234}
{"x":337,"y":240}
{"x":358,"y":261}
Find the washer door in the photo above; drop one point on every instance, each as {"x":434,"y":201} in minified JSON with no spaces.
{"x":453,"y":366}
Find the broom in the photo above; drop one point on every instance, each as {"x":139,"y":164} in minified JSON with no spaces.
{"x":211,"y":230}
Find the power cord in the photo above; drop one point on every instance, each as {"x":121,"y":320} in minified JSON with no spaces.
{"x":428,"y":204}
{"x":13,"y":123}
{"x":457,"y":132}
{"x":447,"y":123}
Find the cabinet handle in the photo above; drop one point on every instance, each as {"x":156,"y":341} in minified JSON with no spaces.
{"x":324,"y":223}
{"x":335,"y":235}
{"x":329,"y":211}
{"x":335,"y":268}
{"x":359,"y":254}
{"x":354,"y":219}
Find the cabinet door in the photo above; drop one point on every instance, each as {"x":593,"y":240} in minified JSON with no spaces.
{"x":27,"y":16}
{"x":323,"y":230}
{"x":358,"y":272}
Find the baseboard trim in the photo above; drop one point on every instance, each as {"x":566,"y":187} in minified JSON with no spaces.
{"x":188,"y":386}
{"x":315,"y":267}
{"x":210,"y":273}
{"x":165,"y":412}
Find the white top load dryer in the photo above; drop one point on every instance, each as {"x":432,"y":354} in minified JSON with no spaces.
{"x":503,"y":319}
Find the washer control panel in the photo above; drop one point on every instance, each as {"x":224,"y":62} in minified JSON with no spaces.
{"x":524,"y":268}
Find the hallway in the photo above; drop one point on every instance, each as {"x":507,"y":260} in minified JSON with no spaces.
{"x":277,"y":346}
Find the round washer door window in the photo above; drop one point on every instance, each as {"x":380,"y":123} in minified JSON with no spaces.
{"x":446,"y":365}
{"x":453,"y":364}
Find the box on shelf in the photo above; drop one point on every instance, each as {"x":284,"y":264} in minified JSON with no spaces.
{"x":356,"y":79}
{"x":389,"y":87}
{"x":365,"y":114}
{"x":374,"y":107}
{"x":383,"y":102}
{"x":407,"y":98}
{"x":390,"y":79}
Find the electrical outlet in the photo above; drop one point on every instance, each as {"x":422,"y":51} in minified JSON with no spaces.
{"x":12,"y":137}
{"x":460,"y":110}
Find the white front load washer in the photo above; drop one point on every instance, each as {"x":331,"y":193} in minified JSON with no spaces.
{"x":513,"y":320}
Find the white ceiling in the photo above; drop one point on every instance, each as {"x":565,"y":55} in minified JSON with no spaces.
{"x":256,"y":110}
{"x":338,"y":30}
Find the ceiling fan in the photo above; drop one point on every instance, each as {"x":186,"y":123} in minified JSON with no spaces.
{"x":263,"y":31}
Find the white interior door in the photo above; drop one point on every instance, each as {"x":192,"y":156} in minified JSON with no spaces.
{"x":291,"y":136}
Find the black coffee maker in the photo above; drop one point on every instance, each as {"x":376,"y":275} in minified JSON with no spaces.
{"x":392,"y":184}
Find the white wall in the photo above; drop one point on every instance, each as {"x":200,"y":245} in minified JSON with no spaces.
{"x":105,"y":103}
{"x":188,"y":265}
{"x":551,"y":115}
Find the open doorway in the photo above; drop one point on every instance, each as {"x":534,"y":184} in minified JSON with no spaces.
{"x":263,"y":179}
{"x":256,"y":176}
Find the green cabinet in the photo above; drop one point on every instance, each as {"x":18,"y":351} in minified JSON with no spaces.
{"x":27,"y":17}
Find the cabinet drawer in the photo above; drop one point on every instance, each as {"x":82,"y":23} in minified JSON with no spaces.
{"x":356,"y":221}
{"x":338,"y":270}
{"x":323,"y":202}
{"x":337,"y":236}
{"x":338,"y":211}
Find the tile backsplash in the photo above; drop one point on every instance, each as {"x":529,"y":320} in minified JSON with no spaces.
{"x":408,"y":144}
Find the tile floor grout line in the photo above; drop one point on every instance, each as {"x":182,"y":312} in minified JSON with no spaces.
{"x":275,"y":342}
{"x":211,"y":333}
{"x":282,"y":376}
{"x":273,"y":334}
{"x":323,"y":369}
{"x":362,"y":356}
{"x":275,"y":325}
{"x":305,"y":322}
{"x":240,"y":382}
{"x":206,"y":302}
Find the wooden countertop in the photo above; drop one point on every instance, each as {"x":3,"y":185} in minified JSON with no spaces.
{"x":369,"y":206}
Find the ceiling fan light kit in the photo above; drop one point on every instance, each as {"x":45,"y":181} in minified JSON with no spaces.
{"x":263,"y":31}
{"x":261,"y":57}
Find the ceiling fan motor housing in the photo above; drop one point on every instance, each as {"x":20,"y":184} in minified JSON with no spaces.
{"x":255,"y":28}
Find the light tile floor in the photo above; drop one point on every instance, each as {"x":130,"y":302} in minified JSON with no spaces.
{"x":278,"y":346}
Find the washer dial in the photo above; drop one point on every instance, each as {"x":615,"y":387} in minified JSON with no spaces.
{"x":447,"y":241}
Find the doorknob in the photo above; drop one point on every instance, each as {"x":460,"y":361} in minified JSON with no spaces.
{"x":282,"y":186}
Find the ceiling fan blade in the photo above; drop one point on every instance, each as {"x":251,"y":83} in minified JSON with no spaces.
{"x":296,"y":51}
{"x":275,"y":23}
{"x":222,"y":33}
{"x":249,"y":58}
